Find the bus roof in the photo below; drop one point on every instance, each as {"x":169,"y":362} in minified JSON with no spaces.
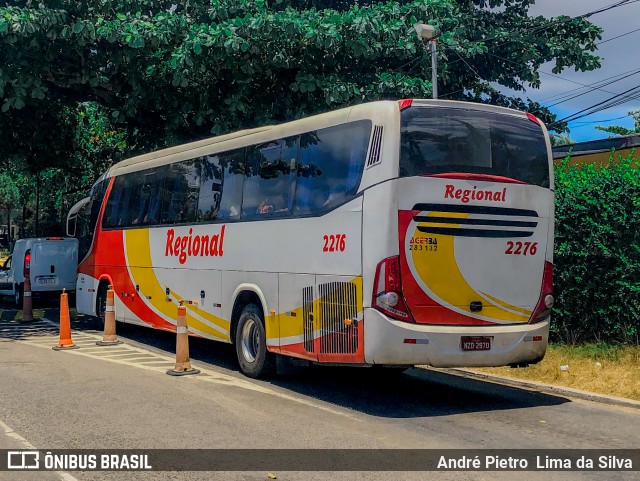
{"x":263,"y":134}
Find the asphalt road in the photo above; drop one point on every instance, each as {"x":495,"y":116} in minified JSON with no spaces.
{"x":121,"y":398}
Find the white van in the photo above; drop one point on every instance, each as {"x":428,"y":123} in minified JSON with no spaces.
{"x":53,"y":263}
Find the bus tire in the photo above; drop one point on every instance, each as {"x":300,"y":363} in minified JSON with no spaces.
{"x":101,"y":301}
{"x":18,"y":295}
{"x":251,"y":344}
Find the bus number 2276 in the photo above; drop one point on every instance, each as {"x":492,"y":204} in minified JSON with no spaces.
{"x":335,"y":243}
{"x":517,"y":248}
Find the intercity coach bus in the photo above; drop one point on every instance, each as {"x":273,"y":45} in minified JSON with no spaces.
{"x":391,"y":233}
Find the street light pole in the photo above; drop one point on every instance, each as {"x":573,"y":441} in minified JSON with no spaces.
{"x":434,"y":68}
{"x":428,"y":32}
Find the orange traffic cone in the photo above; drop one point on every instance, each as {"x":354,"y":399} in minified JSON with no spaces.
{"x":109,"y":337}
{"x":27,"y":303}
{"x":183,"y":366}
{"x":65,"y":325}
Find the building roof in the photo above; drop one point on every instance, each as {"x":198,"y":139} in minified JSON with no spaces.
{"x":595,"y":146}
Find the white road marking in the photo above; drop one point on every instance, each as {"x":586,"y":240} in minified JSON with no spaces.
{"x":158,"y":363}
{"x":9,"y":432}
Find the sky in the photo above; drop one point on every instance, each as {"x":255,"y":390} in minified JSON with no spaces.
{"x":618,"y":55}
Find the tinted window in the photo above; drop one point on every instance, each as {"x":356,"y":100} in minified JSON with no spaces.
{"x":181,"y":193}
{"x":233,"y":170}
{"x":211,"y":183}
{"x":445,"y":140}
{"x":88,"y":218}
{"x":267,"y":188}
{"x":149,"y":184}
{"x":117,"y":210}
{"x":329,"y":166}
{"x":135,"y":199}
{"x":300,"y":175}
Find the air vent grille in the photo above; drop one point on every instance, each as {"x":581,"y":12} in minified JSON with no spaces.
{"x":376,"y":146}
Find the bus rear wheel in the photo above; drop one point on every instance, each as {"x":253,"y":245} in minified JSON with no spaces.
{"x":101,"y":301}
{"x":17,"y":295}
{"x":251,"y":344}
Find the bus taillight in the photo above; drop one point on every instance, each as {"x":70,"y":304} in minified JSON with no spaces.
{"x":533,"y":118}
{"x":405,"y":104}
{"x":387,"y":290}
{"x":545,"y":303}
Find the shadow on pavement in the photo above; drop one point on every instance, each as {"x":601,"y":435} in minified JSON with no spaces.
{"x":414,"y":393}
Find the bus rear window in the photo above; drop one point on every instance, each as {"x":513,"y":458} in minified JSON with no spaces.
{"x":449,"y":140}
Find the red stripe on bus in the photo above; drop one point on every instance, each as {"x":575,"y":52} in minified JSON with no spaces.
{"x":481,"y":177}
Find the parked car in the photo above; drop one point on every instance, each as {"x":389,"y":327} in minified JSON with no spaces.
{"x":52,"y":264}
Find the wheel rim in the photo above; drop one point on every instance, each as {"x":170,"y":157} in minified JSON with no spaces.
{"x":250,"y":340}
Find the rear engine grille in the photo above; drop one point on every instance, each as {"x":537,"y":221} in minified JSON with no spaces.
{"x":337,"y":303}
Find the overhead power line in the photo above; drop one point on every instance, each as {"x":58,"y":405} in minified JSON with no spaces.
{"x":587,"y":87}
{"x":591,"y":122}
{"x":619,"y":36}
{"x":584,"y":93}
{"x":618,"y":99}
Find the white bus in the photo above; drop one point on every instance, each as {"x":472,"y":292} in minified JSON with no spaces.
{"x":388,"y":233}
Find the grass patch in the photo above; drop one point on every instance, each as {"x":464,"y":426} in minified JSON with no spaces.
{"x":599,"y":368}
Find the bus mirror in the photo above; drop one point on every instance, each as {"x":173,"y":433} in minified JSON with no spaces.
{"x":72,"y":217}
{"x":71,"y":226}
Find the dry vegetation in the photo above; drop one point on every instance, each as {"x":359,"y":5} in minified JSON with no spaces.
{"x":600,"y":368}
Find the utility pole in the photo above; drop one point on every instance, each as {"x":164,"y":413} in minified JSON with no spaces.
{"x":428,"y":32}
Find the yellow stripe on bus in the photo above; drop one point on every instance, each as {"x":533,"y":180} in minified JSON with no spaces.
{"x":138,"y":247}
{"x":440,"y":272}
{"x":522,"y":310}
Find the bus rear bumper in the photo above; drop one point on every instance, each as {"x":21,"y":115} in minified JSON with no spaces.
{"x":390,"y":342}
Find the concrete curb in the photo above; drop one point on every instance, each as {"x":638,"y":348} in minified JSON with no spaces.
{"x":545,"y":388}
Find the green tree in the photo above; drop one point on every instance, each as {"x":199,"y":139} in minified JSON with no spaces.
{"x":173,"y":72}
{"x":558,"y":139}
{"x":619,"y":130}
{"x":9,"y":197}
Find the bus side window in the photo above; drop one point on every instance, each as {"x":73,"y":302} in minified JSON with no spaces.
{"x":180,"y":193}
{"x":233,"y":170}
{"x":150,"y":196}
{"x":330,"y":164}
{"x":130,"y":204}
{"x":266,"y":190}
{"x":152,"y":217}
{"x":113,"y":204}
{"x":211,"y":182}
{"x":117,"y":209}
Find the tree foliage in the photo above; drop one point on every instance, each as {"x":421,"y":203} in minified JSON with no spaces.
{"x":558,"y":139}
{"x":83,"y":84}
{"x":597,"y":254}
{"x":619,"y":130}
{"x":9,"y":196}
{"x":171,"y":72}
